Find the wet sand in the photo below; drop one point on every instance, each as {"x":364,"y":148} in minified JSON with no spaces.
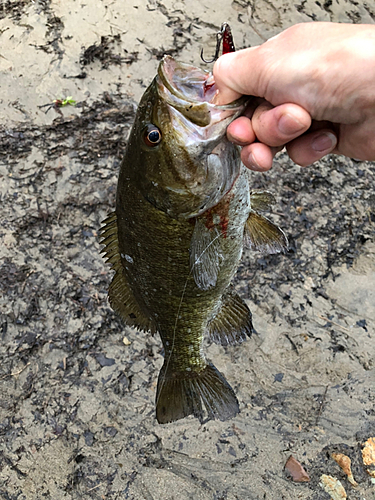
{"x":77,"y":388}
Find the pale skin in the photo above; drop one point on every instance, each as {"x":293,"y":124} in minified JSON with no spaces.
{"x":314,"y":93}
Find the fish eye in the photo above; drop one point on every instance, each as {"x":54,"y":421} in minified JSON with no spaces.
{"x":151,"y":135}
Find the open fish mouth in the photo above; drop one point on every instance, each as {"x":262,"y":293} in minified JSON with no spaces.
{"x":191,"y":91}
{"x":187,"y":82}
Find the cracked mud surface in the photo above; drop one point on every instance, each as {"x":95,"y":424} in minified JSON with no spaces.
{"x":77,"y":388}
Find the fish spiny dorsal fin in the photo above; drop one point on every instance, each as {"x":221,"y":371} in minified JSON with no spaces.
{"x":108,"y":237}
{"x":261,"y":200}
{"x":263,"y":235}
{"x":205,"y":253}
{"x":232,"y":323}
{"x":121,"y":297}
{"x":180,"y":394}
{"x":123,"y":302}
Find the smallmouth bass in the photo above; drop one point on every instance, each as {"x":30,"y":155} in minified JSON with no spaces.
{"x":183,"y":210}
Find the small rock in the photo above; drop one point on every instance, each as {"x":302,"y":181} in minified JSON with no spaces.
{"x":110,"y":431}
{"x":278,"y":377}
{"x":104,"y":361}
{"x":89,"y":438}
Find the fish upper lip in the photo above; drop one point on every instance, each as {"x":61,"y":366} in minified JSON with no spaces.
{"x":182,"y":86}
{"x":166,"y":71}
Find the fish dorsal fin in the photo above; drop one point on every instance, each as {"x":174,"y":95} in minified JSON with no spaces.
{"x":263,"y":235}
{"x":121,"y":298}
{"x":261,"y":200}
{"x":232,"y":323}
{"x":205,"y":254}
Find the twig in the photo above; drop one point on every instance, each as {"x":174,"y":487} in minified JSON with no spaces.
{"x":333,"y":323}
{"x":14,"y":374}
{"x":292,"y":342}
{"x":94,"y":487}
{"x":321,"y":405}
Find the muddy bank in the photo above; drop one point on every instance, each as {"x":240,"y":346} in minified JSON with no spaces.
{"x":77,"y":388}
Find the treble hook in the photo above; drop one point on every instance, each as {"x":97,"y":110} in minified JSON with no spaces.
{"x":225,"y":35}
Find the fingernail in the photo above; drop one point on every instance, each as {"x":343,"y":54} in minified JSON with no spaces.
{"x":289,"y":125}
{"x":216,"y":98}
{"x":324,"y":142}
{"x":254,"y":164}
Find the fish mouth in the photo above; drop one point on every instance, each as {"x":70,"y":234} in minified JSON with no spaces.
{"x":192,"y":91}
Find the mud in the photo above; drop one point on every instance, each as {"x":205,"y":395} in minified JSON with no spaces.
{"x":77,"y":387}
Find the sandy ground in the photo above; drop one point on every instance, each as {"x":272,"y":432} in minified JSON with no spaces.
{"x":77,"y":388}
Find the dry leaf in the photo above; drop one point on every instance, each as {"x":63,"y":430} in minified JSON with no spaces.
{"x":345,"y":463}
{"x":295,"y":469}
{"x":332,"y":486}
{"x":368,"y":455}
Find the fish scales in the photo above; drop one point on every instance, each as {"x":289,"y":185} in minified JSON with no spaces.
{"x":160,"y":266}
{"x":175,"y":240}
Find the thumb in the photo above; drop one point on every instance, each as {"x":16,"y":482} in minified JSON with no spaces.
{"x":236,"y":74}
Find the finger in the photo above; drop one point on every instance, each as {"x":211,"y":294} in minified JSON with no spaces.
{"x":241,"y":132}
{"x":279,"y":125}
{"x":311,"y":147}
{"x":231,"y":73}
{"x":258,"y":156}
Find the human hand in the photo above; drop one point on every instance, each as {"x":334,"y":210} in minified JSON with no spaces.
{"x":314,"y":93}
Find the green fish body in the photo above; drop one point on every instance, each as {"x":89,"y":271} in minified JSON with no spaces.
{"x":175,"y":240}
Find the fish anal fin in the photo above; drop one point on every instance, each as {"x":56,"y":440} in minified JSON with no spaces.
{"x":180,"y":394}
{"x":263,"y":235}
{"x":232,"y":324}
{"x":261,"y":200}
{"x":121,"y":297}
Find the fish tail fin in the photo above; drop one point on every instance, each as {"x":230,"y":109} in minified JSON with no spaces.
{"x":180,"y":394}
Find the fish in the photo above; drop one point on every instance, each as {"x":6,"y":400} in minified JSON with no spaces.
{"x":184,"y":209}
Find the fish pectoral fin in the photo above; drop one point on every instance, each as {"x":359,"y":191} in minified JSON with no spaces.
{"x":261,"y":200}
{"x":121,"y":297}
{"x":232,"y":324}
{"x":180,"y":394}
{"x":263,"y":235}
{"x":205,"y":254}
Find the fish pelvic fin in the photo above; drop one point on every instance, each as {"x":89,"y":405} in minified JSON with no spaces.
{"x":180,"y":394}
{"x":233,"y":323}
{"x":263,"y":235}
{"x":121,"y":297}
{"x":261,"y":200}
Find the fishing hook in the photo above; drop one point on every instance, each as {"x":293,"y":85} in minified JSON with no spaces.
{"x":225,"y":35}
